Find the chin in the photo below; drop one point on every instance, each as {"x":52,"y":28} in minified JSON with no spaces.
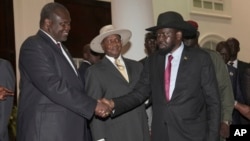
{"x":165,"y":51}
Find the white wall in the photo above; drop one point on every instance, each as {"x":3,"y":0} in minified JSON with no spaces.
{"x":27,"y":14}
{"x":236,"y":26}
{"x":26,"y":17}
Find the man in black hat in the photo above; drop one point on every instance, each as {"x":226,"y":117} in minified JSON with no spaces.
{"x":186,"y":104}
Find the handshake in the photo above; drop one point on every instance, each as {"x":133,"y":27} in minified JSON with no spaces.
{"x":4,"y":92}
{"x":104,"y":107}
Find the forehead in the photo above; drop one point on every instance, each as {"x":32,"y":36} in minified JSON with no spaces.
{"x":165,"y":30}
{"x":61,"y":13}
{"x":113,"y":36}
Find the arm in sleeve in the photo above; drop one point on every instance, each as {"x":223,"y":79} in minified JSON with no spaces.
{"x":7,"y":79}
{"x":212,"y":99}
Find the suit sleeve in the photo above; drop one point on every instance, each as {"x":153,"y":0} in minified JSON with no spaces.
{"x":210,"y":89}
{"x":94,"y":90}
{"x":37,"y":63}
{"x":137,"y":96}
{"x":7,"y":79}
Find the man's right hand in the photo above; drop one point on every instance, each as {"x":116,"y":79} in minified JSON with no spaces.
{"x":4,"y":92}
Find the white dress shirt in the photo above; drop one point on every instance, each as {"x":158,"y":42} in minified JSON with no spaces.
{"x":174,"y":68}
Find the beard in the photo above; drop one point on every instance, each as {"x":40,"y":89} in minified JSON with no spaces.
{"x":165,"y":51}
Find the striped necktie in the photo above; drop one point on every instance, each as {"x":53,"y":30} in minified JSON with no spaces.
{"x":121,"y":68}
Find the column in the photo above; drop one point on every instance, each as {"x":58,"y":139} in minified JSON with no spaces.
{"x":135,"y":15}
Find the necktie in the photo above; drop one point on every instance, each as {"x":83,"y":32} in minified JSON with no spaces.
{"x":167,"y":75}
{"x":231,"y":63}
{"x":58,"y":45}
{"x":121,"y":68}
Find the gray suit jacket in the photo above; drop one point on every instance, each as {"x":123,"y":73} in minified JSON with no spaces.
{"x":193,"y":113}
{"x":7,"y":80}
{"x":53,"y":104}
{"x":104,"y":80}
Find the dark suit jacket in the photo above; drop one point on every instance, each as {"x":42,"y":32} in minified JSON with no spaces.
{"x":82,"y":70}
{"x":7,"y":80}
{"x":104,"y":80}
{"x":246,"y":85}
{"x":53,"y":105}
{"x":242,"y":66}
{"x":233,"y":73}
{"x":193,"y":113}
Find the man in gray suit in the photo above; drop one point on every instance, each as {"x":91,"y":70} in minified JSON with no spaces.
{"x":188,"y":110}
{"x":7,"y":87}
{"x":53,"y":105}
{"x":104,"y":80}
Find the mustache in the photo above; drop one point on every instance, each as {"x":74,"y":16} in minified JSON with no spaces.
{"x":165,"y":51}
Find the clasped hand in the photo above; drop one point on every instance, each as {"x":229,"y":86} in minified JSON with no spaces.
{"x":4,"y":92}
{"x":104,"y":107}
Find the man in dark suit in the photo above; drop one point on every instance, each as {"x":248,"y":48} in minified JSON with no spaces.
{"x":190,"y":108}
{"x":7,"y":87}
{"x":104,"y":80}
{"x":53,"y":105}
{"x":150,"y":47}
{"x":241,"y":66}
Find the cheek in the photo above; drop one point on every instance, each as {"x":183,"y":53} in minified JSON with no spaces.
{"x":168,"y":39}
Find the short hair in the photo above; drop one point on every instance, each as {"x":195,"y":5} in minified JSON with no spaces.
{"x":48,"y":10}
{"x":233,"y":41}
{"x":221,"y":45}
{"x":150,"y":35}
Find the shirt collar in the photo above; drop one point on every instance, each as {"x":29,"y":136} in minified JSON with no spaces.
{"x":50,"y":36}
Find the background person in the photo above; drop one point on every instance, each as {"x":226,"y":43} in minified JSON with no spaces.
{"x":89,"y":58}
{"x":223,"y":48}
{"x":150,"y":47}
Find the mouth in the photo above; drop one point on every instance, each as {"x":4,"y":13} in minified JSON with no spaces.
{"x":65,"y":33}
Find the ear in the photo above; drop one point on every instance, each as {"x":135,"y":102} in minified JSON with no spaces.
{"x":47,"y":23}
{"x":198,"y":34}
{"x":179,"y":35}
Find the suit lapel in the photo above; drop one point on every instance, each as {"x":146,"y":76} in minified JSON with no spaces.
{"x":160,"y":61}
{"x":56,"y":49}
{"x":129,"y":70}
{"x":182,"y":72}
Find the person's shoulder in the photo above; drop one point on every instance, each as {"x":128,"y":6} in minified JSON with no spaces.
{"x":244,"y":63}
{"x":132,"y":62}
{"x":195,"y":50}
{"x":4,"y":62}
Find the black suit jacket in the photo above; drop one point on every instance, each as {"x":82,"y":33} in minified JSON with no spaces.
{"x":242,"y":66}
{"x":82,"y":70}
{"x":193,"y":113}
{"x":7,"y":80}
{"x":52,"y":105}
{"x":233,"y":73}
{"x":246,"y":85}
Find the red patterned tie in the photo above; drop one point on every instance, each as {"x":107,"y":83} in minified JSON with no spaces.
{"x":167,"y":75}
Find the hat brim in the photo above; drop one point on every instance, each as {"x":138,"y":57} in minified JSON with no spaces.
{"x":95,"y":44}
{"x":186,"y":28}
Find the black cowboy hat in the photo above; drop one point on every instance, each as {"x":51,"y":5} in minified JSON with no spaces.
{"x":171,"y":19}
